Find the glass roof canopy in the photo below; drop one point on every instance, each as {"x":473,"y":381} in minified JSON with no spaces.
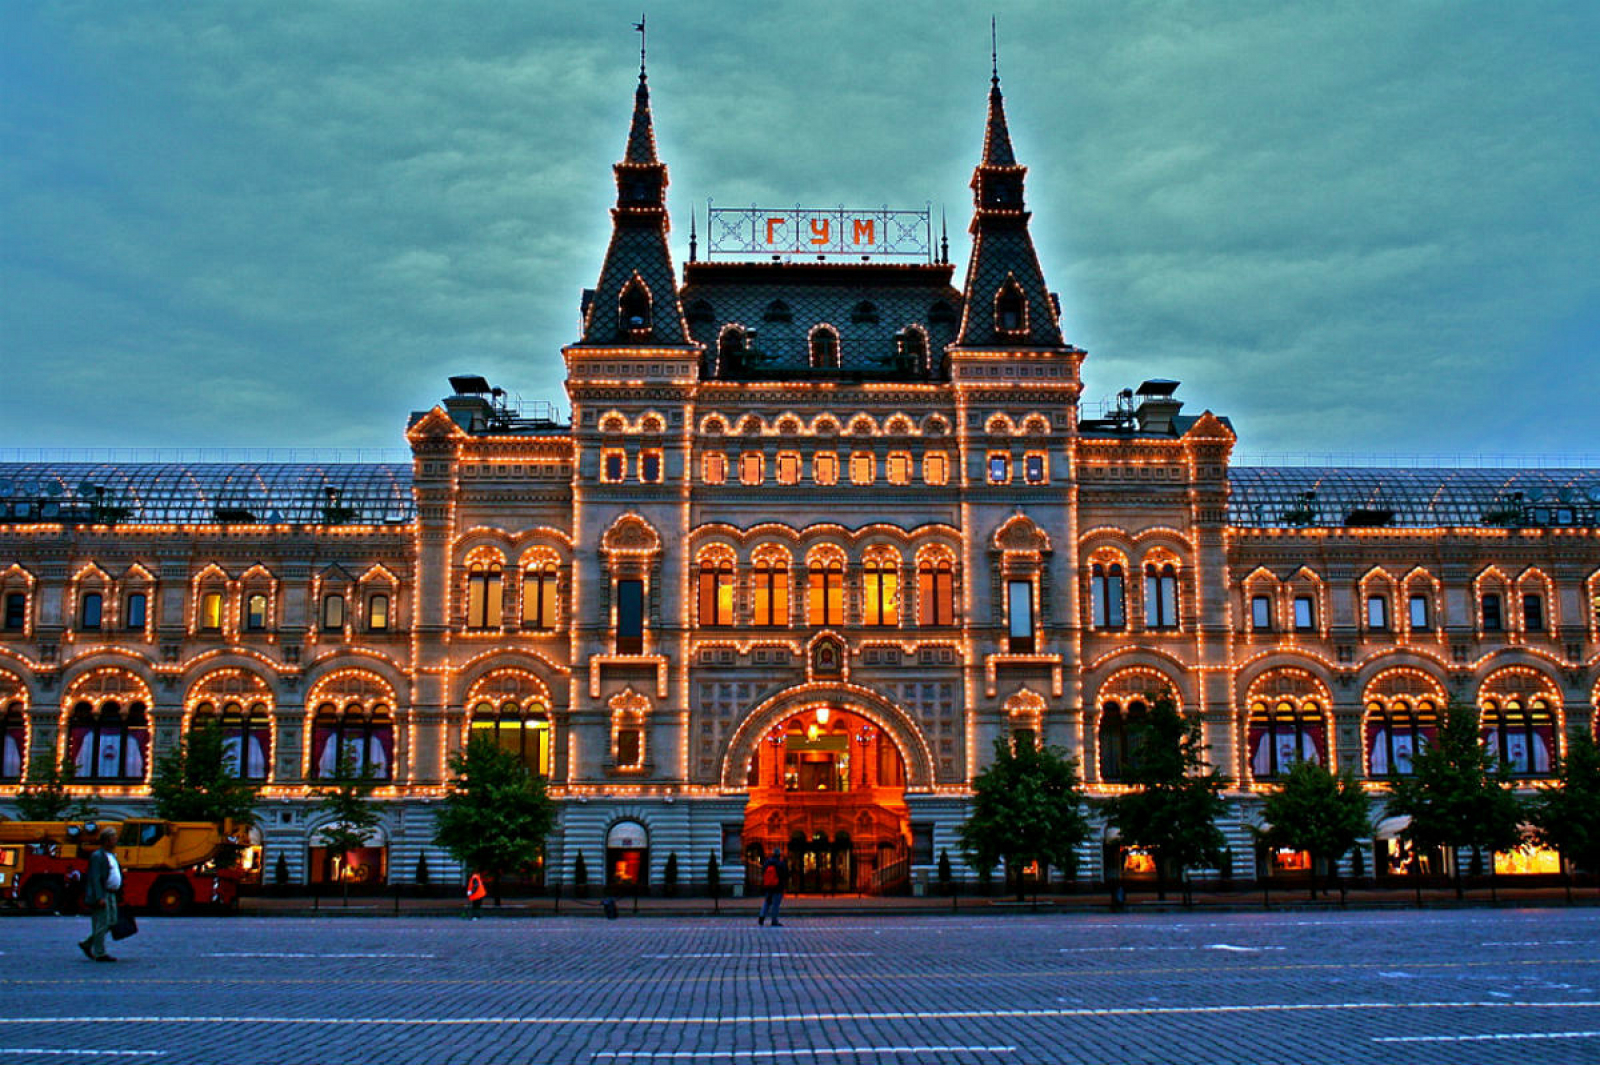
{"x":207,"y":493}
{"x":1300,"y":496}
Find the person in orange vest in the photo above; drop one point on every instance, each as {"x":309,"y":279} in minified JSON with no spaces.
{"x":475,"y":893}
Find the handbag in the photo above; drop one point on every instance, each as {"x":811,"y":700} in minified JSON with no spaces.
{"x":125,"y":926}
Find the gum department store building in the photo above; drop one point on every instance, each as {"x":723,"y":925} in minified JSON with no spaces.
{"x":817,"y":535}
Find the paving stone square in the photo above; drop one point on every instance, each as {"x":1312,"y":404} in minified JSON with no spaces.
{"x":1381,"y":987}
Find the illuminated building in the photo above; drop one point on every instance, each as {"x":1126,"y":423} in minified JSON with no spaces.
{"x":817,"y":535}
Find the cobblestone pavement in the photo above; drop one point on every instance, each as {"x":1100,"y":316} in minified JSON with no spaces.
{"x":1398,"y":987}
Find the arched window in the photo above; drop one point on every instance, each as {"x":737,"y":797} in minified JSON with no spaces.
{"x":90,"y":608}
{"x":936,"y":593}
{"x":1107,"y":596}
{"x":825,"y":591}
{"x":777,"y":311}
{"x":1117,"y":737}
{"x":13,"y":740}
{"x":378,"y":612}
{"x":1521,"y":736}
{"x":730,"y":345}
{"x":864,"y":312}
{"x":770,"y":581}
{"x":246,"y":735}
{"x":824,"y":349}
{"x":700,"y":311}
{"x":634,"y":308}
{"x":912,"y":346}
{"x":716,"y":588}
{"x":540,"y":595}
{"x":522,"y":728}
{"x":880,"y":588}
{"x":1283,"y":733}
{"x":941,"y":313}
{"x":1160,"y":595}
{"x":1011,"y":309}
{"x":1397,"y":731}
{"x":109,"y":741}
{"x":358,"y":736}
{"x":484,"y":595}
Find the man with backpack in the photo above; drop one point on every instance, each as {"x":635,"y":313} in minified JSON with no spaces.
{"x":774,"y":878}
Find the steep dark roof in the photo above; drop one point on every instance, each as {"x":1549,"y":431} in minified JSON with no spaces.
{"x":1321,"y":496}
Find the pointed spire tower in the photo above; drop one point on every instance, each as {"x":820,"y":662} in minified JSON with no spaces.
{"x":636,"y":298}
{"x":1007,"y":303}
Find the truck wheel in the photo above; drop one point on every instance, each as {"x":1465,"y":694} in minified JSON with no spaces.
{"x":171,"y":898}
{"x":44,"y":896}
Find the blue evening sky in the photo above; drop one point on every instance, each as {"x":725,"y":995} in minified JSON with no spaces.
{"x":1363,"y":228}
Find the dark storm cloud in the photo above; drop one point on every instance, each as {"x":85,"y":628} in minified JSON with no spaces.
{"x":1354,"y":228}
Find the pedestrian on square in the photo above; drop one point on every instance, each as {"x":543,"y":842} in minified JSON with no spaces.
{"x":774,"y":878}
{"x":100,"y":889}
{"x":476,"y":893}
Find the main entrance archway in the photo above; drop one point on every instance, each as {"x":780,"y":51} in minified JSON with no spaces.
{"x":827,"y":787}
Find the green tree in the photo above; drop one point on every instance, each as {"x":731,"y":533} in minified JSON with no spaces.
{"x":1317,"y":811}
{"x":353,"y":816}
{"x":713,"y":876}
{"x":1173,"y":810}
{"x":496,"y":814}
{"x":44,"y":796}
{"x":1567,"y":816}
{"x":1027,"y":806}
{"x":194,"y":782}
{"x":1458,"y":794}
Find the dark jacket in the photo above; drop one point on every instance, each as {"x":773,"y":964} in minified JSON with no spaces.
{"x":94,"y":885}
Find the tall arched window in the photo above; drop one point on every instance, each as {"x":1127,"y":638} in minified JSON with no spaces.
{"x":522,"y":728}
{"x":540,"y":595}
{"x":246,"y":735}
{"x":880,"y":588}
{"x":730,"y":346}
{"x":1283,"y":733}
{"x":1521,"y":736}
{"x":716,"y":588}
{"x":824,"y":349}
{"x":634,"y":308}
{"x":109,"y":741}
{"x":1160,"y":595}
{"x":358,"y":734}
{"x":1117,"y":736}
{"x":825,"y":591}
{"x":484,"y":595}
{"x":936,"y":592}
{"x":13,"y":740}
{"x":1397,"y":731}
{"x":770,"y":583}
{"x":1011,"y":310}
{"x":1107,"y":596}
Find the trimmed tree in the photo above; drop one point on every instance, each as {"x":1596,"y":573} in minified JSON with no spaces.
{"x":194,"y":782}
{"x":1317,"y":811}
{"x":1458,"y":794}
{"x":1027,"y":806}
{"x":44,"y":795}
{"x":1173,"y":811}
{"x":713,"y":876}
{"x":1567,"y":816}
{"x":353,"y":816}
{"x":496,"y":815}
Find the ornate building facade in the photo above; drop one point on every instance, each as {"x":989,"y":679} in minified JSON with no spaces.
{"x":816,"y":536}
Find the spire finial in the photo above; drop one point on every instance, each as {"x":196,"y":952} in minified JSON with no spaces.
{"x":944,"y":237}
{"x":994,"y":53}
{"x":694,"y":243}
{"x":640,"y":27}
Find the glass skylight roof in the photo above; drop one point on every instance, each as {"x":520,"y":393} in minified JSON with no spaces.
{"x":1292,"y":496}
{"x":207,"y":493}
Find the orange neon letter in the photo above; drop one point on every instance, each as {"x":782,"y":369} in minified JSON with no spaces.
{"x":820,"y":227}
{"x":772,"y":227}
{"x":865,"y":230}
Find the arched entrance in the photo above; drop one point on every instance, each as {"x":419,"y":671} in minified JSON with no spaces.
{"x":827,"y":786}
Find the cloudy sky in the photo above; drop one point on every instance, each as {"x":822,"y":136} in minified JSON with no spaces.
{"x":1369,"y":229}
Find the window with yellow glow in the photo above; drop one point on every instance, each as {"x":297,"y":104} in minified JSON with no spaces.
{"x":750,"y":467}
{"x":714,"y":467}
{"x":899,"y":467}
{"x":825,"y":593}
{"x":522,"y":731}
{"x":880,"y":592}
{"x":825,"y":468}
{"x":332,"y":612}
{"x":936,"y":468}
{"x":863,"y":467}
{"x":485,"y":602}
{"x":716,"y":591}
{"x":539,"y":590}
{"x":788,"y":467}
{"x":936,"y":599}
{"x":378,"y":613}
{"x":211,"y":612}
{"x":770,"y":583}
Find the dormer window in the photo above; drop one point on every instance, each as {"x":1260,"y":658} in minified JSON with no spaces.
{"x":824,"y":349}
{"x":634,"y":309}
{"x":777,"y":311}
{"x":730,"y":345}
{"x":864,"y":313}
{"x":1011,"y":310}
{"x":700,"y":311}
{"x":912,"y":346}
{"x":941,"y":313}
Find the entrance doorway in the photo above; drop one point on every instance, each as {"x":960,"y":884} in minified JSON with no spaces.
{"x":827,"y":788}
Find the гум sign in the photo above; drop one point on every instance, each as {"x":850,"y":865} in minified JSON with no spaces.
{"x":744,"y":231}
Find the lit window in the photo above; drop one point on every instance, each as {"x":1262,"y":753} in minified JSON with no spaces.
{"x":1283,"y":735}
{"x":880,"y":592}
{"x":485,"y":596}
{"x":1377,"y":613}
{"x":539,"y":587}
{"x":1492,"y":621}
{"x":1261,"y":613}
{"x":999,"y":467}
{"x":750,"y":467}
{"x":1532,"y":613}
{"x":650,"y":467}
{"x":332,"y":612}
{"x":16,"y":611}
{"x":936,"y":468}
{"x":1396,"y":734}
{"x":788,"y":467}
{"x":936,"y":600}
{"x":633,"y":310}
{"x":211,"y":612}
{"x":378,"y":613}
{"x":825,"y":593}
{"x":714,"y":467}
{"x":1418,"y":605}
{"x":134,"y":615}
{"x":106,"y":742}
{"x":825,"y":468}
{"x":716,"y":592}
{"x":899,"y":467}
{"x":1107,"y":596}
{"x":771,"y":586}
{"x":246,"y":736}
{"x":613,"y":466}
{"x":1033,"y":467}
{"x":630,"y":617}
{"x":13,"y":741}
{"x":523,"y":731}
{"x":1522,"y":738}
{"x":1161,"y":596}
{"x":255,"y":612}
{"x":359,"y":738}
{"x":89,"y":615}
{"x":863,"y":467}
{"x":1019,"y":607}
{"x":1305,"y":614}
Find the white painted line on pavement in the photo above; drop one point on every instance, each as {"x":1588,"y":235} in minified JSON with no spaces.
{"x":810,"y":1017}
{"x":1240,"y":950}
{"x":1483,"y":1038}
{"x":84,"y":1053}
{"x":1530,"y":943}
{"x":795,"y":1052}
{"x":768,"y":954}
{"x":307,"y":954}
